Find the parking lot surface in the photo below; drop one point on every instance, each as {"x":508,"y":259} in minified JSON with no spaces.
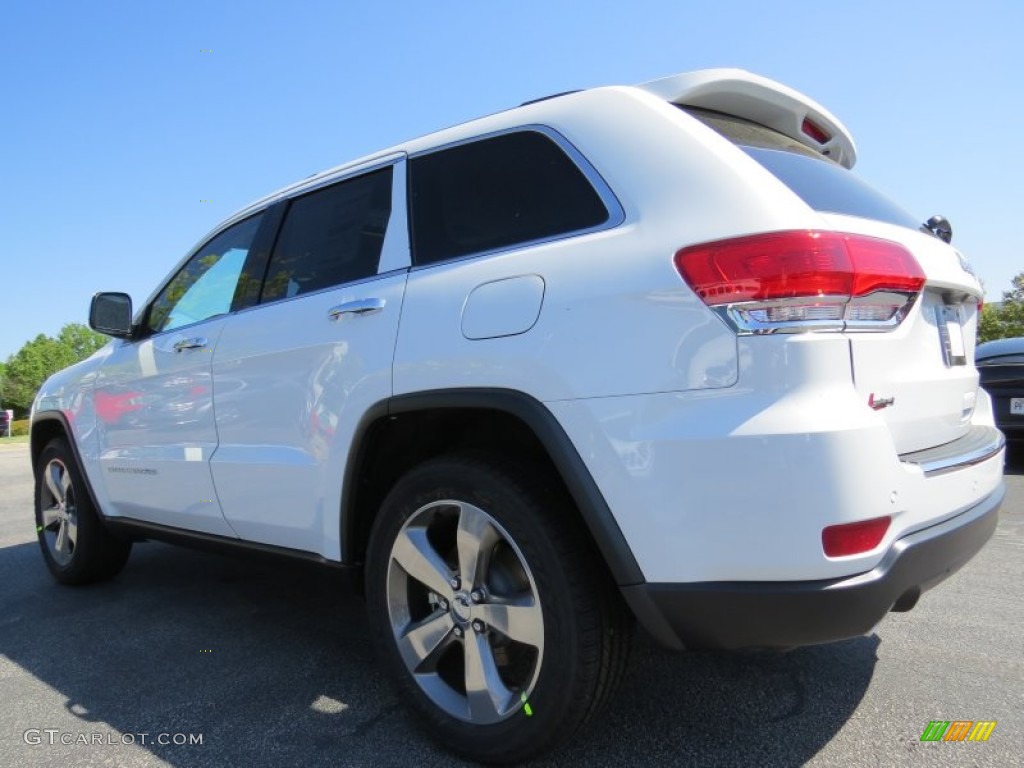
{"x":268,"y":663}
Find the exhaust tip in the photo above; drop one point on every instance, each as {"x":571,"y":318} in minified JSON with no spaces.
{"x":907,"y":600}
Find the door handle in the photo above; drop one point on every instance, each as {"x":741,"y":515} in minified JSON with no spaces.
{"x":197,"y":342}
{"x":357,"y":307}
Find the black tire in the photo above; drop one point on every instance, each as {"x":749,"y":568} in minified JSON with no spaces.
{"x":93,"y":553}
{"x":586,"y":631}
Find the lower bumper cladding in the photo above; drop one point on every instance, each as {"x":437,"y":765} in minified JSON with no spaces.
{"x":785,"y":614}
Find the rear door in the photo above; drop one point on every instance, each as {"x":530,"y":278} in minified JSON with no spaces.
{"x":294,"y":374}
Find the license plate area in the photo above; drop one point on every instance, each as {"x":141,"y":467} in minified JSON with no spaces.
{"x":951,"y":334}
{"x":1017,"y":406}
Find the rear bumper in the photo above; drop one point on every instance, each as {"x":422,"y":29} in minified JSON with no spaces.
{"x":732,"y":615}
{"x":981,"y":443}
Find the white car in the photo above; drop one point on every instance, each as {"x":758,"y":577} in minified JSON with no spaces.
{"x":647,"y":351}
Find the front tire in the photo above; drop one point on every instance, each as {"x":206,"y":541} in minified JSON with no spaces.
{"x":76,"y":546}
{"x":491,"y":610}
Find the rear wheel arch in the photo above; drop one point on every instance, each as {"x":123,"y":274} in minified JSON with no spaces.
{"x":406,"y":430}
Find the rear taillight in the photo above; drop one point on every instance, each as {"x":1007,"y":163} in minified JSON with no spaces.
{"x":854,"y":538}
{"x":804,"y":280}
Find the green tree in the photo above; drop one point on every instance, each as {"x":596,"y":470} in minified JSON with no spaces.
{"x":82,"y":341}
{"x":1006,"y":320}
{"x":26,"y":370}
{"x":1016,"y":294}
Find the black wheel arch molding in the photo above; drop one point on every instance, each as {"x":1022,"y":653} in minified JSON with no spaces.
{"x":37,"y":443}
{"x":593,"y":508}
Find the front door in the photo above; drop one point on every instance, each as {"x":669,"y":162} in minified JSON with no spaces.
{"x":154,"y":394}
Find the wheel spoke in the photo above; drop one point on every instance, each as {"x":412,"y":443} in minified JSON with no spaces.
{"x":61,"y":545}
{"x":72,"y":533}
{"x":424,"y":642}
{"x":55,"y":481}
{"x":519,"y":620}
{"x":494,"y":600}
{"x":475,"y":539}
{"x":488,"y":697}
{"x":52,"y":516}
{"x":418,"y":558}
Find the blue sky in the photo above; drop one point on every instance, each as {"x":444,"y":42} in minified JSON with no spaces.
{"x":129,"y":129}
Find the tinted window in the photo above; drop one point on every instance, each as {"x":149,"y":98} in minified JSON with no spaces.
{"x":495,"y":193}
{"x":205,"y":286}
{"x":821,"y":183}
{"x":331,"y":236}
{"x":747,"y":133}
{"x":828,"y":187}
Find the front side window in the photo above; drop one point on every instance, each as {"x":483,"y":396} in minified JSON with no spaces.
{"x":205,"y":286}
{"x":495,"y":193}
{"x":331,"y":236}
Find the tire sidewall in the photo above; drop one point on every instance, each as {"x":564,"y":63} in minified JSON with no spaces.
{"x":554,"y":700}
{"x":89,"y":551}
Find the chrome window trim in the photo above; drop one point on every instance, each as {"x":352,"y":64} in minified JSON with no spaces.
{"x":616,"y":213}
{"x":395,"y":255}
{"x":393,"y":244}
{"x":300,"y":189}
{"x":327,"y":289}
{"x":375,"y":164}
{"x":321,"y":178}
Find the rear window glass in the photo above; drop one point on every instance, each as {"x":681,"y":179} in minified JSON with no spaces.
{"x":820,"y":182}
{"x":495,"y":193}
{"x":830,"y":188}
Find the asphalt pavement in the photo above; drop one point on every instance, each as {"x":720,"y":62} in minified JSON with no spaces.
{"x":196,"y":659}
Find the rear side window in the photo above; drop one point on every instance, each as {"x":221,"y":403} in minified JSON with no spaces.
{"x":823,"y":184}
{"x":496,"y":193}
{"x":331,"y":236}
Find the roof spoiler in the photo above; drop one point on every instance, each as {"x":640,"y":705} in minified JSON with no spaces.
{"x":752,"y":97}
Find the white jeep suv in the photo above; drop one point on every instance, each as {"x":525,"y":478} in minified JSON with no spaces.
{"x":648,"y":352}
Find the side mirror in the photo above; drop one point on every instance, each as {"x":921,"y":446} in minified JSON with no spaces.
{"x":111,"y":314}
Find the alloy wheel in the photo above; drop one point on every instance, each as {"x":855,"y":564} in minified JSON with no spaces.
{"x":59,"y":512}
{"x":465,"y":612}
